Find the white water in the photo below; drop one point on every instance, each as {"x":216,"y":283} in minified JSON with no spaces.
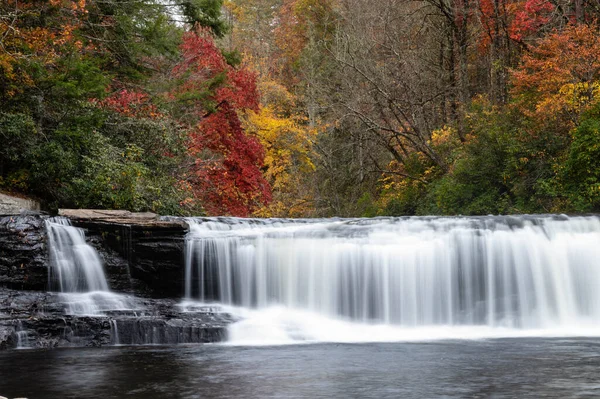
{"x":114,"y":332}
{"x":76,"y":265}
{"x":77,"y":271}
{"x":22,"y":336}
{"x":96,"y":303}
{"x":283,"y":326}
{"x":399,"y":279}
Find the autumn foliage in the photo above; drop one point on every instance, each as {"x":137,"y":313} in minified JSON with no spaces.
{"x":560,"y":76}
{"x":226,"y":173}
{"x":529,"y":17}
{"x":25,"y":38}
{"x":295,"y":108}
{"x":130,"y":103}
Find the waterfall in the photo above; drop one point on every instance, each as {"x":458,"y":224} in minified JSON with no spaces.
{"x":114,"y":332}
{"x":77,"y":271}
{"x":22,"y":336}
{"x":519,"y":272}
{"x":76,"y":266}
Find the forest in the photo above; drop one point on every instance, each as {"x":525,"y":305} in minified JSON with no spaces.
{"x":302,"y":108}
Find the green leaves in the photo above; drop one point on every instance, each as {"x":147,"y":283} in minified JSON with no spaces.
{"x":581,"y":173}
{"x":206,"y":13}
{"x":81,"y":79}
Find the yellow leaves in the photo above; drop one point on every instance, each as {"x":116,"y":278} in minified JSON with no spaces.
{"x":571,"y":97}
{"x":429,"y":172}
{"x":579,"y":94}
{"x":442,"y":135}
{"x":288,"y":143}
{"x":277,"y":97}
{"x":444,"y":140}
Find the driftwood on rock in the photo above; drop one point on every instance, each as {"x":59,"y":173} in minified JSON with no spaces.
{"x":145,"y":219}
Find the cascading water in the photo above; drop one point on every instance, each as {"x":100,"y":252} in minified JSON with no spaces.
{"x":22,"y":337}
{"x":76,"y":266}
{"x":493,"y":272}
{"x":77,"y":271}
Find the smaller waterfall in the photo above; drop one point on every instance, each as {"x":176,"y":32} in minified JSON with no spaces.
{"x":76,"y":266}
{"x":77,"y":271}
{"x":22,"y":336}
{"x":114,"y":332}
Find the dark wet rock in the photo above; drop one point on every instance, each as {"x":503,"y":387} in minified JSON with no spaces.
{"x":156,"y":331}
{"x":7,"y":334}
{"x":39,"y":320}
{"x":23,"y":254}
{"x":142,"y":254}
{"x":146,"y":258}
{"x":117,"y":268}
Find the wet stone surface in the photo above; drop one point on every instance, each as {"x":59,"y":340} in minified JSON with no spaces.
{"x":42,"y":320}
{"x":23,"y":253}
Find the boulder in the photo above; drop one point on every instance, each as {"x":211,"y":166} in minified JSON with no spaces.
{"x":11,"y":205}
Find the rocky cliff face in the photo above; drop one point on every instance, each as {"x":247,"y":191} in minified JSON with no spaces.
{"x":23,"y":254}
{"x":143,"y":254}
{"x":144,"y":261}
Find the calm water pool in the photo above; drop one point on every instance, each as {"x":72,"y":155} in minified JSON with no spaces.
{"x":524,"y":367}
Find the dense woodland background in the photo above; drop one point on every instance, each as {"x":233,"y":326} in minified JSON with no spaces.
{"x":302,"y":108}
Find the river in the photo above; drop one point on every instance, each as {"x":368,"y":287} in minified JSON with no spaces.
{"x":497,"y":368}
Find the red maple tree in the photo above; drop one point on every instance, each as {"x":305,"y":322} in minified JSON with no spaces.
{"x":226,"y":174}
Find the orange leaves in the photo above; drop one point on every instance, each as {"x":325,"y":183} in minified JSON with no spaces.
{"x":561,"y":74}
{"x":36,"y":32}
{"x":74,"y":6}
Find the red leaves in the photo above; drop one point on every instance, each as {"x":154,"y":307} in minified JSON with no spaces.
{"x":201,"y":58}
{"x":233,"y":183}
{"x":227,"y":175}
{"x":519,"y":18}
{"x":130,"y":103}
{"x":530,"y":17}
{"x":240,"y":91}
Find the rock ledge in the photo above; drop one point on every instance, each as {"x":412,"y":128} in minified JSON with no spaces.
{"x":143,"y":219}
